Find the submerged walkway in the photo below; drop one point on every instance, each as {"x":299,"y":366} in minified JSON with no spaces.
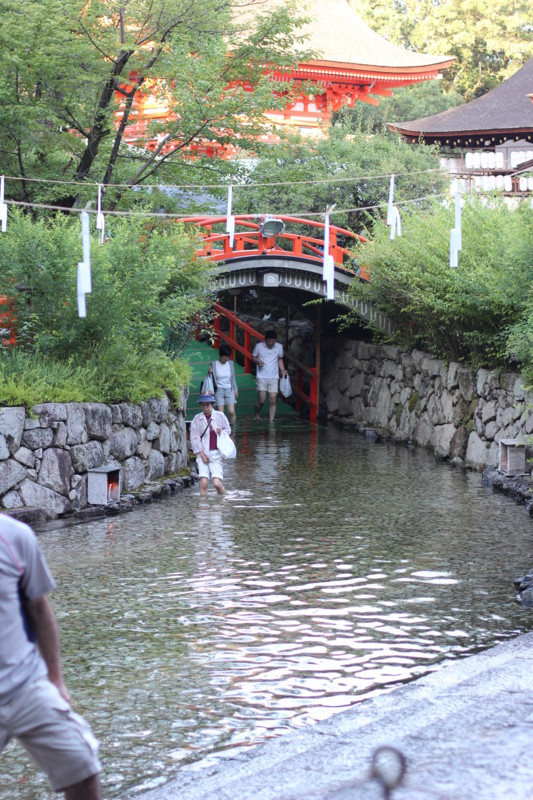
{"x":199,"y":356}
{"x":465,"y":730}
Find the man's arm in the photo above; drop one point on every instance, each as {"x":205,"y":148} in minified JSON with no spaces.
{"x":281,"y":366}
{"x":47,"y":637}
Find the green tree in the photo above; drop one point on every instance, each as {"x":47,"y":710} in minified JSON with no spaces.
{"x":409,"y":102}
{"x":351,"y":168}
{"x":71,"y":70}
{"x":490,"y":41}
{"x":145,"y":279}
{"x":461,"y":314}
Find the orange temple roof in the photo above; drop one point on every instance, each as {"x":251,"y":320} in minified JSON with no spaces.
{"x":352,"y":63}
{"x":340,"y":38}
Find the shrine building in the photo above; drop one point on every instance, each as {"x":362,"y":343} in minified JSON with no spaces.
{"x":353,"y":63}
{"x":488,"y":142}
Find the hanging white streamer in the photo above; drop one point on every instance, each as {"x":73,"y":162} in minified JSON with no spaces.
{"x":100,"y":218}
{"x":456,"y":236}
{"x":328,"y":264}
{"x":455,"y":240}
{"x":230,"y":219}
{"x":458,"y":220}
{"x":395,"y":224}
{"x":326,"y":244}
{"x":3,"y":206}
{"x":390,"y":212}
{"x":84,"y":284}
{"x":329,"y":272}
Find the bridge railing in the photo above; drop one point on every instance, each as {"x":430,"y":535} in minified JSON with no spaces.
{"x":248,"y":240}
{"x":302,"y":371}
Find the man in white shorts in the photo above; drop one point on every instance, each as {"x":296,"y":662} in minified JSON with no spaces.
{"x":34,"y":701}
{"x":268,"y":356}
{"x":204,"y":431}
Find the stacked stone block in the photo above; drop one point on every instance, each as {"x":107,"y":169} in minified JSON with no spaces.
{"x":457,"y":412}
{"x":45,"y":455}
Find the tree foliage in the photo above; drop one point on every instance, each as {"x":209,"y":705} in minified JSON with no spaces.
{"x":408,"y":102}
{"x":350,"y":168}
{"x":71,"y":70}
{"x":466,"y":313}
{"x":145,"y":282}
{"x":490,"y":41}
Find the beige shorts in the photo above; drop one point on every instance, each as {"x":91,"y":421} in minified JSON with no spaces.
{"x":270,"y":385}
{"x":59,"y":740}
{"x":213,"y":469}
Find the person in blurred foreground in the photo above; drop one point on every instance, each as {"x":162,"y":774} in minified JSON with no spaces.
{"x":34,"y":701}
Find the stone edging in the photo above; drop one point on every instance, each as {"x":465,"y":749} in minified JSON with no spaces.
{"x":45,"y":456}
{"x":457,"y":412}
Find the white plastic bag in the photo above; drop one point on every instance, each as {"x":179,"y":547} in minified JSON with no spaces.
{"x":285,"y":386}
{"x":208,"y":386}
{"x":226,"y":445}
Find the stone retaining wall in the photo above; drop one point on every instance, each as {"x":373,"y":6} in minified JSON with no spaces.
{"x":45,"y":456}
{"x":451,"y":409}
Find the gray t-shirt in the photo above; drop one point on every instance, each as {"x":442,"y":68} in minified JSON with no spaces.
{"x":21,"y":562}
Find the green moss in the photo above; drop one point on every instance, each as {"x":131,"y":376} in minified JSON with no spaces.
{"x":469,"y":413}
{"x":469,"y":427}
{"x":413,"y":400}
{"x":398,"y":414}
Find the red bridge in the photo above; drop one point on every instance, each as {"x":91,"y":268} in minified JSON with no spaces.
{"x":279,"y":253}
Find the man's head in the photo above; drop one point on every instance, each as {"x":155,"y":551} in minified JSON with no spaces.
{"x":270,"y":338}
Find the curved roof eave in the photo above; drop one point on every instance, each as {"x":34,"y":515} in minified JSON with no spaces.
{"x":504,"y":108}
{"x":337,"y":35}
{"x":432,"y":66}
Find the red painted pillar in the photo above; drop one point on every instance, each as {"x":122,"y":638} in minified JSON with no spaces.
{"x":299,"y":383}
{"x":247,"y":359}
{"x":216,"y":326}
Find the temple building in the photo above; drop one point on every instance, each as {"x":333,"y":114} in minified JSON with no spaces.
{"x":353,"y":63}
{"x":487,"y":143}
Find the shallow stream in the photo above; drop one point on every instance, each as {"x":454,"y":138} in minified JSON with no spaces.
{"x":335,"y":568}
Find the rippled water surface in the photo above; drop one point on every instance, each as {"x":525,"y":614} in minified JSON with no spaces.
{"x":335,"y":568}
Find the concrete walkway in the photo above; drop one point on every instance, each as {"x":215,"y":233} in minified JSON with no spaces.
{"x":466,"y":731}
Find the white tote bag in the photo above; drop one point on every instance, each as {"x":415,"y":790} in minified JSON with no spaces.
{"x":285,"y":386}
{"x":226,"y":445}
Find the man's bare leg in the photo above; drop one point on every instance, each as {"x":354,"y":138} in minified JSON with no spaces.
{"x":89,"y":789}
{"x":272,"y":398}
{"x":219,"y":486}
{"x":261,"y":397}
{"x":204,"y":483}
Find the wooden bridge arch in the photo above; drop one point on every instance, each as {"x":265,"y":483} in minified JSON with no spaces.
{"x":290,"y":260}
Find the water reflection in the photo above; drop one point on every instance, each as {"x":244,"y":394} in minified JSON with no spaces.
{"x":333,"y":569}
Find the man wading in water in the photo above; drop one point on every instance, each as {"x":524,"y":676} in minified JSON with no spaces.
{"x":268,"y":356}
{"x":205,"y":428}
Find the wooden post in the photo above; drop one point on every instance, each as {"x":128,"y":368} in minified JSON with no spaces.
{"x":313,"y":396}
{"x":216,"y":325}
{"x":318,"y":338}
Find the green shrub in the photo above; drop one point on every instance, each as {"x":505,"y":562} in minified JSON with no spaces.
{"x":147,"y":292}
{"x":460,"y":314}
